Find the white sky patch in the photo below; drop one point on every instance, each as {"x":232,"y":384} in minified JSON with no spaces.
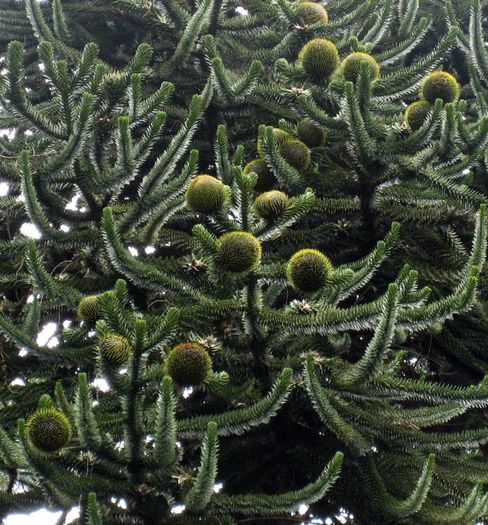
{"x":120,"y":503}
{"x":187,"y":392}
{"x":73,"y":203}
{"x":133,"y":250}
{"x":53,"y":342}
{"x":4,"y":189}
{"x":149,"y":250}
{"x":18,"y":381}
{"x":30,"y":230}
{"x":40,"y":517}
{"x":46,"y":333}
{"x":177,"y":509}
{"x":100,"y":383}
{"x":218,"y":487}
{"x":7,"y":133}
{"x":64,"y":228}
{"x":242,"y":11}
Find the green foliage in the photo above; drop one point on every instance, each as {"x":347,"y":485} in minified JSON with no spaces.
{"x":382,"y":356}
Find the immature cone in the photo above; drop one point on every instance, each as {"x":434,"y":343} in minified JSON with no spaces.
{"x":238,"y":252}
{"x":115,"y":348}
{"x":296,"y":153}
{"x":205,"y":194}
{"x":310,"y":133}
{"x":280,"y":136}
{"x":351,"y":66}
{"x":416,"y":113}
{"x":308,"y":270}
{"x":271,"y":204}
{"x":188,"y":364}
{"x":48,"y":429}
{"x":88,"y":309}
{"x":319,"y":58}
{"x":266,"y":178}
{"x":311,"y":13}
{"x":440,"y":84}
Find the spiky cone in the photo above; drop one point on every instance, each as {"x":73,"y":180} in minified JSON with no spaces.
{"x":205,"y":194}
{"x":266,"y":178}
{"x":280,"y":137}
{"x":351,"y":66}
{"x":115,"y":349}
{"x":271,"y":204}
{"x":311,"y":13}
{"x":188,"y":364}
{"x":319,"y":58}
{"x":440,"y":84}
{"x":88,"y":309}
{"x":238,"y":252}
{"x":308,"y":270}
{"x":310,"y":133}
{"x":297,"y":154}
{"x":416,"y":113}
{"x":49,"y":429}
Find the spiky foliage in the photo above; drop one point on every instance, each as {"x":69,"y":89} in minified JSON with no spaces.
{"x":188,"y":364}
{"x":385,"y":362}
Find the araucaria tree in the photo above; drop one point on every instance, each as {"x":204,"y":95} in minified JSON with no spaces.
{"x":257,"y":231}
